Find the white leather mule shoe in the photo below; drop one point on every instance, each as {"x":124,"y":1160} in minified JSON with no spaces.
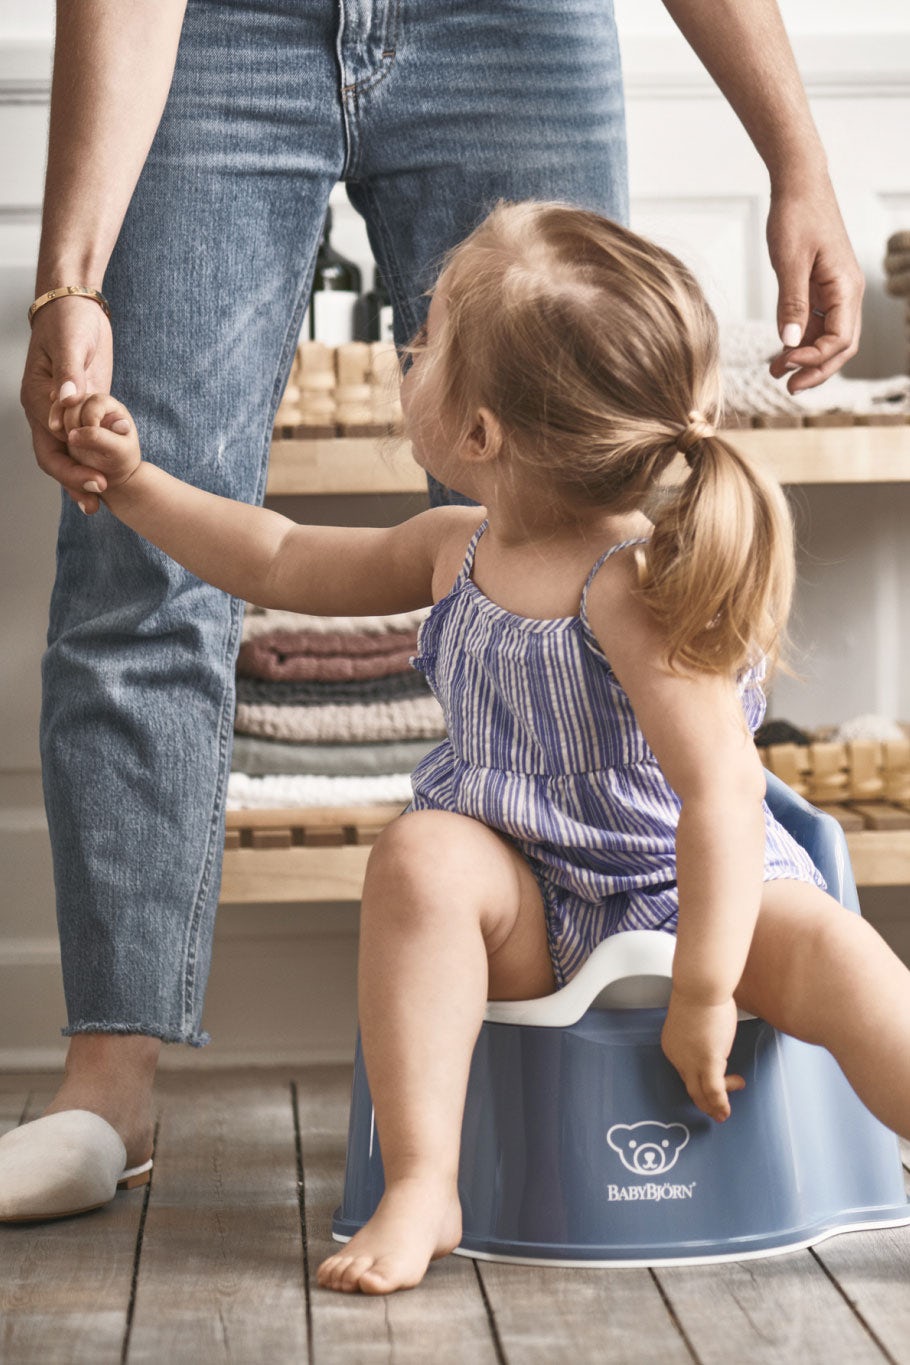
{"x":63,"y":1164}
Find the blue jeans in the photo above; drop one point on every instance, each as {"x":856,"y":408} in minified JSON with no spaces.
{"x":429,"y":111}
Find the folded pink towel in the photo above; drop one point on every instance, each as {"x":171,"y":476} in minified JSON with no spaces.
{"x":329,"y":657}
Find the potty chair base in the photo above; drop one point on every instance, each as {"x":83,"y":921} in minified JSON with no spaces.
{"x":581,"y":1147}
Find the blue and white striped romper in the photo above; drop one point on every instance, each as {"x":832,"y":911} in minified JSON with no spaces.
{"x":543,"y":746}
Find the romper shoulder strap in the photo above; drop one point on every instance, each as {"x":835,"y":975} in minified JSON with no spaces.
{"x":468,"y":563}
{"x":623,"y":545}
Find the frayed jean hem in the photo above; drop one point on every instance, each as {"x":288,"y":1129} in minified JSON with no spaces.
{"x":151,"y":1030}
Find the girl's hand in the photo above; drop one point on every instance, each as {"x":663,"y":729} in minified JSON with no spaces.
{"x":99,"y":433}
{"x":697,"y":1039}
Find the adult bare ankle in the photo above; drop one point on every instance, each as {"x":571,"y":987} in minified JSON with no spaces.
{"x":134,"y":1053}
{"x":113,"y":1075}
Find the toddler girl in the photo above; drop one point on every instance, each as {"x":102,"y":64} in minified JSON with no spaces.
{"x":601,"y":627}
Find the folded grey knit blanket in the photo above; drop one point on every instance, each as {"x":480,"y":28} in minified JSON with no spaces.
{"x":302,"y":693}
{"x":256,"y":757}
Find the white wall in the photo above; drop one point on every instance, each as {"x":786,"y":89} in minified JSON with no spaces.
{"x":811,"y":17}
{"x":283,"y":979}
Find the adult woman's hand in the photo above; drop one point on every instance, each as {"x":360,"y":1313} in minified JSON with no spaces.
{"x":820,"y":284}
{"x":70,"y":356}
{"x":746,"y":49}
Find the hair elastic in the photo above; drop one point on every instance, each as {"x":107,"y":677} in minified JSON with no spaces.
{"x":697,"y":428}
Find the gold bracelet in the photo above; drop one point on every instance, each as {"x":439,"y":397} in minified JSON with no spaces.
{"x":62,"y":291}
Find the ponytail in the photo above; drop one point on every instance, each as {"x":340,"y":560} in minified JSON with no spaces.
{"x":719,"y":568}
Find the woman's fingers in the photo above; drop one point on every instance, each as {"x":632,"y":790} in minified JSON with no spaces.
{"x":82,"y":483}
{"x":54,"y":459}
{"x":818,"y":357}
{"x":820,"y":284}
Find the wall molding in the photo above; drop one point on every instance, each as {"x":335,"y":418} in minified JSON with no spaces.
{"x":30,"y":952}
{"x":835,"y":66}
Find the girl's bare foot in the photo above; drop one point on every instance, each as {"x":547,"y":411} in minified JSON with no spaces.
{"x":417,"y":1221}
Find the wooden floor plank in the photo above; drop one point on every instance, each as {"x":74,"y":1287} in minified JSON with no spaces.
{"x":221,"y":1267}
{"x":65,"y":1285}
{"x":221,"y":1272}
{"x":767,"y":1312}
{"x":444,"y":1321}
{"x":873,"y":1272}
{"x":587,"y":1316}
{"x":12,"y":1108}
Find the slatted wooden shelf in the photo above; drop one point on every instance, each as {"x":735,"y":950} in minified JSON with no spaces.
{"x":851,"y":453}
{"x":300,"y":855}
{"x":317,"y":855}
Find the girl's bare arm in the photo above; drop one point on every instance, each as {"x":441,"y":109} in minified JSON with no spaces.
{"x":694,"y":725}
{"x":271,"y":561}
{"x":253,"y":552}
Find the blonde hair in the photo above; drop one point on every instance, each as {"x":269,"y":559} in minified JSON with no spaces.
{"x":598,"y":353}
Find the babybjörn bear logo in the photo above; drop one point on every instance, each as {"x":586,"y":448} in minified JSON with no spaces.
{"x":648,"y":1148}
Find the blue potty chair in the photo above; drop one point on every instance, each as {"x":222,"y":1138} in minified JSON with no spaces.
{"x":580,"y":1145}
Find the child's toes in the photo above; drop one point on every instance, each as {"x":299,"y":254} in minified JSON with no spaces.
{"x":350,"y":1278}
{"x":331,"y":1269}
{"x":384,"y":1276}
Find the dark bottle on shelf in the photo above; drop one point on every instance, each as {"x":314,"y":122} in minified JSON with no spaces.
{"x":337,"y":283}
{"x":373,"y":314}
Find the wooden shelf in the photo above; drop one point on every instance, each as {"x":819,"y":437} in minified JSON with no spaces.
{"x":304,"y":856}
{"x":343,"y":465}
{"x":880,"y":857}
{"x":796,"y":455}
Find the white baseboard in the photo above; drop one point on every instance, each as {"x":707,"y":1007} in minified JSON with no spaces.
{"x":51,"y":1059}
{"x":272,"y":1001}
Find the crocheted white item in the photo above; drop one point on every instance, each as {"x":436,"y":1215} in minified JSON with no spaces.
{"x":359,"y":723}
{"x":264,"y":793}
{"x":746,"y":350}
{"x":869,"y":726}
{"x":258,"y":620}
{"x":747,"y":343}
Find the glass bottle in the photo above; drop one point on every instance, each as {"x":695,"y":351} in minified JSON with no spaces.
{"x":337,"y":283}
{"x":373,"y":315}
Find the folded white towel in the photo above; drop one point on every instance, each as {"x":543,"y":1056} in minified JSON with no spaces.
{"x":263,"y":793}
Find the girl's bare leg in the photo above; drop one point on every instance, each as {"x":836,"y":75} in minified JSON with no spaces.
{"x":451,"y":916}
{"x":823,"y":974}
